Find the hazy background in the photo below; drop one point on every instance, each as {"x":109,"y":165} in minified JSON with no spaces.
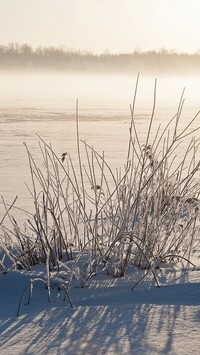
{"x":99,"y":25}
{"x":52,"y":52}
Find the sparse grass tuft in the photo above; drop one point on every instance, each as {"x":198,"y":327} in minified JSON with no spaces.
{"x":97,"y":220}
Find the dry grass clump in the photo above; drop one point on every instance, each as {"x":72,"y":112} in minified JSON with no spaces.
{"x":145,"y":214}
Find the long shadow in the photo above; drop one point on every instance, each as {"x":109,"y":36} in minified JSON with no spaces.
{"x":103,"y":321}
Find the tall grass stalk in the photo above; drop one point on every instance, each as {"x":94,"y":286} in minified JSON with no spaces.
{"x":143,"y":215}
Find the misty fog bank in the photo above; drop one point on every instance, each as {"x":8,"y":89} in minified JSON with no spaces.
{"x":100,"y":94}
{"x":16,"y":57}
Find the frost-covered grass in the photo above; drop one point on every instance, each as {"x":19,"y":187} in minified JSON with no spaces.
{"x":93,"y":219}
{"x":95,"y":234}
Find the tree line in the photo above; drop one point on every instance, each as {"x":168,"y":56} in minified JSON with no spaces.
{"x":16,"y":56}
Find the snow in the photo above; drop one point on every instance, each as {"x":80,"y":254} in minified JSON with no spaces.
{"x":107,"y":318}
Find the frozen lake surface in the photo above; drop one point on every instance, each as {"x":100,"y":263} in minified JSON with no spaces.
{"x":45,"y":104}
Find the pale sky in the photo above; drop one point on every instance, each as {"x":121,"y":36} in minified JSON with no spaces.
{"x":99,"y":25}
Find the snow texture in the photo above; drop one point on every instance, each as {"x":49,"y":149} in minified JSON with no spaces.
{"x":107,"y":318}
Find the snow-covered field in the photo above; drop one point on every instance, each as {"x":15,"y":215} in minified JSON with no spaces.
{"x":107,"y":317}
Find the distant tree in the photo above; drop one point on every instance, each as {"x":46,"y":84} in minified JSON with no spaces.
{"x":22,"y":56}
